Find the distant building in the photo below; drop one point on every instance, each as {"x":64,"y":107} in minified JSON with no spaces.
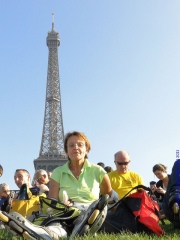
{"x":52,"y":153}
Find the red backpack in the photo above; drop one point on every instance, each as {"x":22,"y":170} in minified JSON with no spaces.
{"x":145,"y":210}
{"x":136,"y":212}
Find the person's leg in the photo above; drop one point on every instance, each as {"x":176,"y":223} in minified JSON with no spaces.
{"x":171,"y":201}
{"x":20,"y":226}
{"x":90,"y":221}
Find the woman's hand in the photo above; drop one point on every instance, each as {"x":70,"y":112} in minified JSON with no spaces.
{"x":160,"y":190}
{"x":66,"y":200}
{"x":68,"y":203}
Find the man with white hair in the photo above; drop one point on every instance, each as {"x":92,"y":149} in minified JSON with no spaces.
{"x":42,"y":180}
{"x":41,"y":176}
{"x":122,"y":179}
{"x":4,"y":194}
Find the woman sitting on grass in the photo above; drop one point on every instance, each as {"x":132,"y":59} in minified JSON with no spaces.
{"x":81,"y":180}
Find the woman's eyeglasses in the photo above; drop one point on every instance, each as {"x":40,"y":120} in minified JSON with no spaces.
{"x":122,"y":163}
{"x":79,"y":144}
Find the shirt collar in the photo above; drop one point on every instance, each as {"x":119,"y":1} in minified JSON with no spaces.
{"x":65,"y":167}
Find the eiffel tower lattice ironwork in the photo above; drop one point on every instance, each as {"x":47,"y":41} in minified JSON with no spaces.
{"x":52,"y":152}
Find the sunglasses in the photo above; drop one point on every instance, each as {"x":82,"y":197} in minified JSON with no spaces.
{"x":122,"y":163}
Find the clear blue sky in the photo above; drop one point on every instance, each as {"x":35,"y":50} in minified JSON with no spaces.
{"x":120,"y":79}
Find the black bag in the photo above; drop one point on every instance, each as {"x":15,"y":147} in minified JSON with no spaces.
{"x":135,"y":213}
{"x":123,"y":220}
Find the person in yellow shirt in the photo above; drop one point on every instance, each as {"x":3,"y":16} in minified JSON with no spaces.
{"x":122,"y":179}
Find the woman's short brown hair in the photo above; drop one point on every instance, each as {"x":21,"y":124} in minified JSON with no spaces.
{"x":79,"y":134}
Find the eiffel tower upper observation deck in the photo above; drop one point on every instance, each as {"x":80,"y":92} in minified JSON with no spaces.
{"x":52,"y":144}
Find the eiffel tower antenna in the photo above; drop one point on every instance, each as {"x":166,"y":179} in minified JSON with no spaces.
{"x":52,"y":152}
{"x":52,"y":21}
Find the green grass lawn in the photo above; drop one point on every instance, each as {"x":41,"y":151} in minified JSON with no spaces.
{"x":171,"y":233}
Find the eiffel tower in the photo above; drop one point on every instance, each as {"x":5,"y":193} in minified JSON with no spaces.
{"x":52,"y":153}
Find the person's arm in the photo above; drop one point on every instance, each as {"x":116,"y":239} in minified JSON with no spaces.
{"x":160,"y":190}
{"x":105,"y":186}
{"x":53,"y":189}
